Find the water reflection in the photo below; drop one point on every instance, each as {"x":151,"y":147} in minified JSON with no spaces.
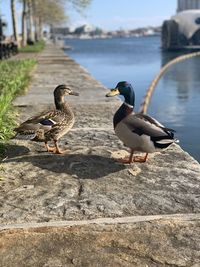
{"x":184,"y":75}
{"x":168,"y":56}
{"x":180,"y":87}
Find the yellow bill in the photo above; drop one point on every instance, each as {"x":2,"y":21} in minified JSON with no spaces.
{"x":113,"y":92}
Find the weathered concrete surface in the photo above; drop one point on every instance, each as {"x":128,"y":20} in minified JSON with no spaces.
{"x":87,"y":183}
{"x":127,"y":242}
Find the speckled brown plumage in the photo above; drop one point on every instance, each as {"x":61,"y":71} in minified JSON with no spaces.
{"x":50,"y":125}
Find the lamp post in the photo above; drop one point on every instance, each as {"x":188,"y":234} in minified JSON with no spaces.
{"x":1,"y":36}
{"x":2,"y":24}
{"x":1,"y":29}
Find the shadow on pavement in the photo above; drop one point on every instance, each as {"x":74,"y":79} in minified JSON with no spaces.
{"x":79,"y":165}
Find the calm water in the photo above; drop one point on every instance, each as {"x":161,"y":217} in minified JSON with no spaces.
{"x":176,"y":101}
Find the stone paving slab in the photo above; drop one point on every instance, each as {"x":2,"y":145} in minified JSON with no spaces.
{"x":146,"y":241}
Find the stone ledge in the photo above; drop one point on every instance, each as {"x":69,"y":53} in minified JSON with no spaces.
{"x":141,"y":241}
{"x":104,"y":221}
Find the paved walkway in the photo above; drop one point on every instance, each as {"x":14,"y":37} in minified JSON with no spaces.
{"x":86,"y":183}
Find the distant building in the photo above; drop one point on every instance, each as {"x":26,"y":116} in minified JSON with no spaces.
{"x":84,"y":29}
{"x":182,"y":31}
{"x":188,"y":4}
{"x":60,"y":30}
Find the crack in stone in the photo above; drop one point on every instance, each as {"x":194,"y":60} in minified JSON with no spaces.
{"x":81,"y":189}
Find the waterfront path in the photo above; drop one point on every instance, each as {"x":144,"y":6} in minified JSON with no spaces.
{"x":39,"y":189}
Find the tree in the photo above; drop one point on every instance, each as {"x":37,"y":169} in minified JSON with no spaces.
{"x":31,"y":36}
{"x":24,"y":24}
{"x":48,"y":12}
{"x":38,"y":13}
{"x":80,"y":5}
{"x":14,"y":22}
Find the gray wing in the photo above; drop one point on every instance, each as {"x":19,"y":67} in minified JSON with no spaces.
{"x":144,"y":124}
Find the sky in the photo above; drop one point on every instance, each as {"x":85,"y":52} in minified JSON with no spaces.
{"x":113,"y":14}
{"x":127,"y":14}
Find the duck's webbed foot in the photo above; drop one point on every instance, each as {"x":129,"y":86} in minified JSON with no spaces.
{"x":130,"y":159}
{"x":127,"y":160}
{"x":140,"y":159}
{"x":57,"y":149}
{"x":49,"y":149}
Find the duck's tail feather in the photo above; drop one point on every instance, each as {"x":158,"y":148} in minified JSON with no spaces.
{"x":163,"y":141}
{"x":25,"y":136}
{"x":169,"y":130}
{"x":167,"y":141}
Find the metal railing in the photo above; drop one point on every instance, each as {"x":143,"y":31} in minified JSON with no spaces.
{"x":7,"y":49}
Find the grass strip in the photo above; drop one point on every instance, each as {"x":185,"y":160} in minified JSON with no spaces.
{"x":14,"y":78}
{"x":35,"y":48}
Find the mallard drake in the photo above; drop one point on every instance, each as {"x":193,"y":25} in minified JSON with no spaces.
{"x":49,"y":125}
{"x":138,"y":131}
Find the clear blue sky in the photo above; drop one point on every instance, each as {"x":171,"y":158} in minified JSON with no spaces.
{"x":114,"y":14}
{"x":127,"y":14}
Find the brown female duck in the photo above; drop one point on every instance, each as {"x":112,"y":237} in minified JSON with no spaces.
{"x":50,"y":125}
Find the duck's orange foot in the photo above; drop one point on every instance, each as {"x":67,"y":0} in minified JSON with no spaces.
{"x":125,"y":160}
{"x":60,"y":152}
{"x":51,"y":149}
{"x":56,"y":150}
{"x":140,"y":159}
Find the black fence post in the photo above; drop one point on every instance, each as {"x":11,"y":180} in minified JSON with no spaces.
{"x":1,"y":37}
{"x":7,"y":48}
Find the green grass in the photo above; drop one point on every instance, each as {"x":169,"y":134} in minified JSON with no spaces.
{"x":14,"y":78}
{"x":36,"y":48}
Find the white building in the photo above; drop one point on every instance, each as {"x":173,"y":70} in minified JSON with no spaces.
{"x":188,"y":4}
